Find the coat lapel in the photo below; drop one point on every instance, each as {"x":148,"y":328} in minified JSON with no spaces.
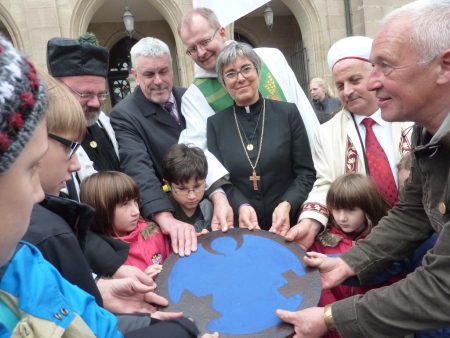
{"x":106,"y":124}
{"x":153,"y":111}
{"x":354,"y":149}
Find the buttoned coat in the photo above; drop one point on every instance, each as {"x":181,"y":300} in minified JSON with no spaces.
{"x":145,"y":132}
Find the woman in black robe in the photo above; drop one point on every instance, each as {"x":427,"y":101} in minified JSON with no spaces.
{"x":262,"y":143}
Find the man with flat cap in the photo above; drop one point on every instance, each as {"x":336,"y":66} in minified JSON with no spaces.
{"x":83,"y":67}
{"x":345,"y":143}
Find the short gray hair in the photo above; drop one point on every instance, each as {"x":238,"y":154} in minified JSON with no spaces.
{"x":430,"y":20}
{"x":230,"y":53}
{"x":149,"y":47}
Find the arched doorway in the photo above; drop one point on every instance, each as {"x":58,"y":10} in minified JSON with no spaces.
{"x":242,"y":38}
{"x":285,"y":36}
{"x":119,"y":69}
{"x":9,"y":28}
{"x":155,"y":18}
{"x":4,"y":31}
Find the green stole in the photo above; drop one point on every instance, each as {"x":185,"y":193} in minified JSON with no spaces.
{"x":219,"y":99}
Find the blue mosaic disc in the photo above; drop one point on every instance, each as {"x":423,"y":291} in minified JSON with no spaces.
{"x":236,"y":280}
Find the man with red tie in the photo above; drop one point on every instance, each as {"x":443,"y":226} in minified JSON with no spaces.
{"x":356,"y":139}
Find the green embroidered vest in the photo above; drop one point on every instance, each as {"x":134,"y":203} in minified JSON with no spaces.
{"x":219,"y":99}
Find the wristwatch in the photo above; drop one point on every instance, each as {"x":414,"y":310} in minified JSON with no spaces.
{"x":328,"y":318}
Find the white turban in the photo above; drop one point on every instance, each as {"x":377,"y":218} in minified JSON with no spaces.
{"x":353,"y":47}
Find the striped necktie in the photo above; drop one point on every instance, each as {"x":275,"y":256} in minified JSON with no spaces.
{"x":168,"y":106}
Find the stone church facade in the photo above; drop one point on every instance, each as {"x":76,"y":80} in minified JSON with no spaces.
{"x":303,"y":31}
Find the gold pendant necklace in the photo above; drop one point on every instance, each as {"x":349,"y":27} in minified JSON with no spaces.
{"x":249,"y":145}
{"x":253,"y":177}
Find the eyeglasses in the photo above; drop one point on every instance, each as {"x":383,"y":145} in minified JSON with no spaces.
{"x":102,"y":96}
{"x":70,"y":145}
{"x":245,"y":72}
{"x":202,"y":43}
{"x":185,"y":192}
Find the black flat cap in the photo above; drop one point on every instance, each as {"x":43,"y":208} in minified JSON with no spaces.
{"x":69,"y":57}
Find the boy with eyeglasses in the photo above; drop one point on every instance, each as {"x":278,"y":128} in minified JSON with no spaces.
{"x":185,"y":168}
{"x":58,"y":228}
{"x":35,"y":300}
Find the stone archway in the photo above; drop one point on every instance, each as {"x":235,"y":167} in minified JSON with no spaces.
{"x":309,"y":21}
{"x":172,"y":12}
{"x":82,"y":14}
{"x":248,"y":34}
{"x":321,"y":23}
{"x":84,"y":10}
{"x":12,"y":28}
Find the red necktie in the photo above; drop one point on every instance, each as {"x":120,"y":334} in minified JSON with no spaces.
{"x":169,"y":107}
{"x":379,"y":167}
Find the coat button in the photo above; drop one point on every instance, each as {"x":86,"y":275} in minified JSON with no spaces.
{"x":57,"y":316}
{"x":442,"y":208}
{"x":64,"y":311}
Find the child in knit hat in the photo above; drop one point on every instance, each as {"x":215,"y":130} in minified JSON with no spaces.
{"x":23,"y":141}
{"x":34,"y":299}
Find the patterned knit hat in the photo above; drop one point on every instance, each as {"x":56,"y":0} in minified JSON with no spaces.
{"x":23,"y":102}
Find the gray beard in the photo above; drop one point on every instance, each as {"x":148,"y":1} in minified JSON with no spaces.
{"x":91,"y":118}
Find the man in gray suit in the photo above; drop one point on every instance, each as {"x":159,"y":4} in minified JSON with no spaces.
{"x":147,"y":123}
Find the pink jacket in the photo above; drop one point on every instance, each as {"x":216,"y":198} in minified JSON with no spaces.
{"x":144,"y":252}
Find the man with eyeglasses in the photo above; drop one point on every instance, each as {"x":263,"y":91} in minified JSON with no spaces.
{"x":83,"y":67}
{"x":204,"y":39}
{"x":147,"y":123}
{"x":344,"y":143}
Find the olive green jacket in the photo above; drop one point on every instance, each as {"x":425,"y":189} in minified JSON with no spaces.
{"x":421,"y":300}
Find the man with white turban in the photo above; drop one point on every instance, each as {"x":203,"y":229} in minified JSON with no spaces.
{"x":339,"y":145}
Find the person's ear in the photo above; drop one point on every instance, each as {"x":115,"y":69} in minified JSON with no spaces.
{"x":135,"y":75}
{"x":444,"y":62}
{"x":222,"y":33}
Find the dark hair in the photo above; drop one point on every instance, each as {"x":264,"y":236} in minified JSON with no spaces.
{"x":183,"y":162}
{"x":103,"y":191}
{"x":357,"y":191}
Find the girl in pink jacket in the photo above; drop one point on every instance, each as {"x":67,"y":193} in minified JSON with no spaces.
{"x":115,"y":197}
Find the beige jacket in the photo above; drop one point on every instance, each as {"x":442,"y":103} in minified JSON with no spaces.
{"x":337,"y":150}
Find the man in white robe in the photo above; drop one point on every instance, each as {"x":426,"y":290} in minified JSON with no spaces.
{"x":196,"y":108}
{"x":339,"y":144}
{"x":204,"y":38}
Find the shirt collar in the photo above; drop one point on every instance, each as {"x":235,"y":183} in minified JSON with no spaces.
{"x":171,"y":100}
{"x":375,"y":116}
